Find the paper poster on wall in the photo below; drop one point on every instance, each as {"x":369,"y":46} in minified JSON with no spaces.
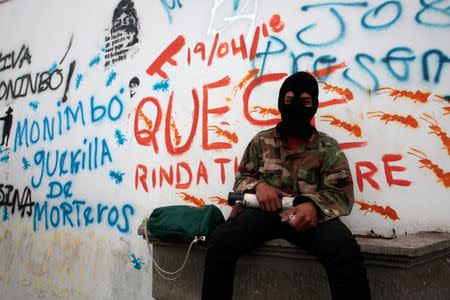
{"x":121,"y":40}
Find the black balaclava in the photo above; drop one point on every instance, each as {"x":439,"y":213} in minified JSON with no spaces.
{"x":295,"y":117}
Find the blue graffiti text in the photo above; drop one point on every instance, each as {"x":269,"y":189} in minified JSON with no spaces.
{"x":79,"y":214}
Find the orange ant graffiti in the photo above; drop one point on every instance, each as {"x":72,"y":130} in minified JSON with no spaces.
{"x":437,"y":130}
{"x":189,"y":198}
{"x":407,"y":121}
{"x":147,"y":121}
{"x":240,"y":85}
{"x":346,"y":94}
{"x":443,"y":101}
{"x":176,"y":133}
{"x":387,"y":211}
{"x":352,"y":128}
{"x":426,"y":163}
{"x":265,"y":111}
{"x":219,"y":200}
{"x":232,"y":137}
{"x":416,"y":96}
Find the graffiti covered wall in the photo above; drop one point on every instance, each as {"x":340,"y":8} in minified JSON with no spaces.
{"x":106,"y":116}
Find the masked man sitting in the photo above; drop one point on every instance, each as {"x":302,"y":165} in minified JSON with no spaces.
{"x":292,"y":159}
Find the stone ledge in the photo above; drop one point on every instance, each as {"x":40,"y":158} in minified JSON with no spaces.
{"x":415,"y":266}
{"x":413,"y":245}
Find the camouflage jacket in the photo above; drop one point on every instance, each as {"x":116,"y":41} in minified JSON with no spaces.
{"x":317,"y":169}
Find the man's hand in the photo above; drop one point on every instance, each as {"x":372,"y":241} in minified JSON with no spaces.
{"x":269,"y":197}
{"x":302,"y":217}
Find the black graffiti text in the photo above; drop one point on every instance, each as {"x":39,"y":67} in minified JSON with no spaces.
{"x":10,"y":196}
{"x":36,"y":84}
{"x":10,"y":60}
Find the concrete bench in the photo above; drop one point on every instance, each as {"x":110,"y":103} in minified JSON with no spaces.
{"x":415,"y":266}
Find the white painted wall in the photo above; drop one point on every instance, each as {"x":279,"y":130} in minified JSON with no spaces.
{"x":87,"y":246}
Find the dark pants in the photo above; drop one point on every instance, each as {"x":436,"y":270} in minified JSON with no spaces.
{"x":331,"y":242}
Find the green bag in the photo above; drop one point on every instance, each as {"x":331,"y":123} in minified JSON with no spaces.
{"x":183,"y":223}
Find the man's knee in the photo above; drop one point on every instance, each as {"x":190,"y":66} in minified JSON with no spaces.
{"x":228,"y":237}
{"x":221,"y":236}
{"x":345,"y":250}
{"x":337,"y":244}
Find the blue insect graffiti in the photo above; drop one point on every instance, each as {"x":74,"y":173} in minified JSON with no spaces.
{"x":119,"y":137}
{"x":162,"y":85}
{"x":34,"y":105}
{"x":5,"y":159}
{"x":52,"y":68}
{"x":136,"y":261}
{"x":94,"y":61}
{"x":25,"y":163}
{"x":78,"y":80}
{"x":5,"y":216}
{"x":117,"y":176}
{"x":111,"y":76}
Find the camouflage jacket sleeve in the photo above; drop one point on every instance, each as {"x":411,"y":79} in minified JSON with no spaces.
{"x":248,"y":173}
{"x":334,"y":194}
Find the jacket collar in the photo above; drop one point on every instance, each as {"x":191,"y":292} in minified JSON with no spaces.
{"x":311,"y":143}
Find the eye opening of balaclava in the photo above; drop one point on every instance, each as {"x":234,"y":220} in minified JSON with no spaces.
{"x":295,"y":117}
